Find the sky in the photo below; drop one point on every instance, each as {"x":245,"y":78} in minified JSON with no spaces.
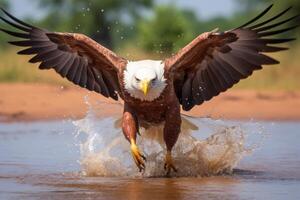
{"x":203,"y":8}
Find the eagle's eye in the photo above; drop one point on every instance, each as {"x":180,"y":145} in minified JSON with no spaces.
{"x":153,"y":80}
{"x":137,"y":79}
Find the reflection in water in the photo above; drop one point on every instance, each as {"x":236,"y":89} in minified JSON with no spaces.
{"x":136,"y":188}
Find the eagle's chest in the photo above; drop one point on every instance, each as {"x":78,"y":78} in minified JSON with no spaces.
{"x":152,"y":112}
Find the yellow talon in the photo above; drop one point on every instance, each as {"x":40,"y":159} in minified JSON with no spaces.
{"x":138,"y":157}
{"x":169,"y":163}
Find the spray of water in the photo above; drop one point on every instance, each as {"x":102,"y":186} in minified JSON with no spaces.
{"x":216,"y":147}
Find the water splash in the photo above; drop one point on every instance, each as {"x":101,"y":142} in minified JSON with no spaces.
{"x":216,"y":148}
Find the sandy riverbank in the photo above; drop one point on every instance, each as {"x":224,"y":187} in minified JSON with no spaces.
{"x":30,"y":102}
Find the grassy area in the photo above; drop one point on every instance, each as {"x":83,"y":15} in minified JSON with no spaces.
{"x":285,"y":76}
{"x":15,"y":68}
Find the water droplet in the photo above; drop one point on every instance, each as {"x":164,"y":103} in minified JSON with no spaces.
{"x":122,"y":38}
{"x":88,"y":9}
{"x":102,"y":10}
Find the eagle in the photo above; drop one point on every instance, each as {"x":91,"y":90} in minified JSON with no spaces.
{"x":155,"y":91}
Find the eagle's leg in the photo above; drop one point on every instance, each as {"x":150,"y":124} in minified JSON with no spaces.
{"x":171,"y":133}
{"x":130,"y":130}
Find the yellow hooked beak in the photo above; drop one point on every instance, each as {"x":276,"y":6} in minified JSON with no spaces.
{"x":145,"y":86}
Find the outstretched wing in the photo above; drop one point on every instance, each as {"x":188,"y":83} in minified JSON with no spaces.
{"x":215,"y":61}
{"x":74,"y":56}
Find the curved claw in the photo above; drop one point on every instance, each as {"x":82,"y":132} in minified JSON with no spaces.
{"x":138,"y":157}
{"x":169,"y":166}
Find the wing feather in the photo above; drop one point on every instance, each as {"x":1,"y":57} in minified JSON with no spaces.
{"x":79,"y":72}
{"x":74,"y":56}
{"x":65,"y":70}
{"x":83,"y":78}
{"x":215,"y":61}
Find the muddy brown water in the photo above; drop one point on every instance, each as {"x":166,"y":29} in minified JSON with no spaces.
{"x":88,"y":159}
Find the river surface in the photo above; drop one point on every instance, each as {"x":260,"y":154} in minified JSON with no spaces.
{"x":89,"y":159}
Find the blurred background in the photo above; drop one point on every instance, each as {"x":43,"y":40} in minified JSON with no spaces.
{"x":146,"y":29}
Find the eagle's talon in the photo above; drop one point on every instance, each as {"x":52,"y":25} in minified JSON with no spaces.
{"x":169,"y":166}
{"x":138,"y":157}
{"x":144,"y":158}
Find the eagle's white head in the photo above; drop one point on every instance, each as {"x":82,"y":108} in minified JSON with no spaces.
{"x":145,"y":79}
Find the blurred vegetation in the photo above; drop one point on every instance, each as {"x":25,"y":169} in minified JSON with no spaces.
{"x":155,"y":37}
{"x":141,"y":29}
{"x":14,"y":68}
{"x":98,"y":19}
{"x":3,"y":37}
{"x":4,"y":4}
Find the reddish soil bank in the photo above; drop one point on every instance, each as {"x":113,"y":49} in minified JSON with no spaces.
{"x":30,"y":102}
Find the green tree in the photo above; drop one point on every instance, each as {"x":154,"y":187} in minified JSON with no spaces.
{"x":93,"y":17}
{"x":166,"y":31}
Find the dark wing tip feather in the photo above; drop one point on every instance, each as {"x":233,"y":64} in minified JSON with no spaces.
{"x":16,"y":19}
{"x":28,"y":51}
{"x":276,"y":41}
{"x":257,"y":17}
{"x":271,"y":19}
{"x":260,"y":29}
{"x":25,"y":43}
{"x":270,"y":33}
{"x":15,"y":25}
{"x":15,"y":34}
{"x":271,"y":49}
